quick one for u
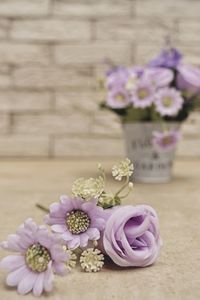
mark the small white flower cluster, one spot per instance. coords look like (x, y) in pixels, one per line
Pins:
(123, 169)
(91, 260)
(88, 188)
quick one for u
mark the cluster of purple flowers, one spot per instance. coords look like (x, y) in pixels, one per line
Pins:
(128, 234)
(164, 84)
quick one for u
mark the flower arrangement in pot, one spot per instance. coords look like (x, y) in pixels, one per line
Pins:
(152, 101)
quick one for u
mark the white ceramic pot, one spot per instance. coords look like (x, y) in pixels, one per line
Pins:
(150, 165)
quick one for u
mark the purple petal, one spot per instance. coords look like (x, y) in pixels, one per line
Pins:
(30, 225)
(137, 230)
(39, 284)
(44, 239)
(59, 228)
(77, 203)
(98, 223)
(74, 243)
(65, 200)
(53, 220)
(88, 206)
(27, 283)
(113, 254)
(12, 262)
(60, 268)
(93, 233)
(16, 276)
(26, 237)
(84, 240)
(58, 254)
(67, 236)
(13, 243)
(48, 278)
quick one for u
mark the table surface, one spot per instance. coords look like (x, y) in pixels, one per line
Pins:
(176, 275)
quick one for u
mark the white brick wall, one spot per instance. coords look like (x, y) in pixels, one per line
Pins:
(24, 101)
(21, 54)
(52, 77)
(51, 55)
(50, 30)
(15, 8)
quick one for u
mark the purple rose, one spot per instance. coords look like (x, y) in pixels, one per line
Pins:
(117, 77)
(131, 236)
(160, 77)
(188, 79)
(169, 58)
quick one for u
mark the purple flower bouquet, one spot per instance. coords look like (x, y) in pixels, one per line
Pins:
(84, 227)
(152, 101)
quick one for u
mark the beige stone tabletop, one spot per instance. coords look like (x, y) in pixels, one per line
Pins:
(176, 275)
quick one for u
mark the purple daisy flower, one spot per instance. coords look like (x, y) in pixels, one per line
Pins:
(39, 254)
(118, 98)
(143, 94)
(168, 101)
(169, 58)
(76, 220)
(166, 140)
(117, 77)
(160, 77)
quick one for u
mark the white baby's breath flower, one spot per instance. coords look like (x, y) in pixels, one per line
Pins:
(91, 260)
(122, 169)
(88, 188)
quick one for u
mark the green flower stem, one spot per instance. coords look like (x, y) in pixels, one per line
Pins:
(126, 195)
(43, 208)
(123, 187)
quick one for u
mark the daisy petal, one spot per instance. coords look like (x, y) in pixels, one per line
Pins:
(12, 262)
(39, 284)
(73, 244)
(48, 278)
(16, 276)
(26, 284)
(93, 233)
(84, 240)
(60, 268)
(59, 228)
(67, 236)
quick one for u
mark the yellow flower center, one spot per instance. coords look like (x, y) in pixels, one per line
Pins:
(142, 94)
(37, 258)
(167, 101)
(120, 97)
(77, 221)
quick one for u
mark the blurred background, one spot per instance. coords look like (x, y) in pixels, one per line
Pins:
(52, 54)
